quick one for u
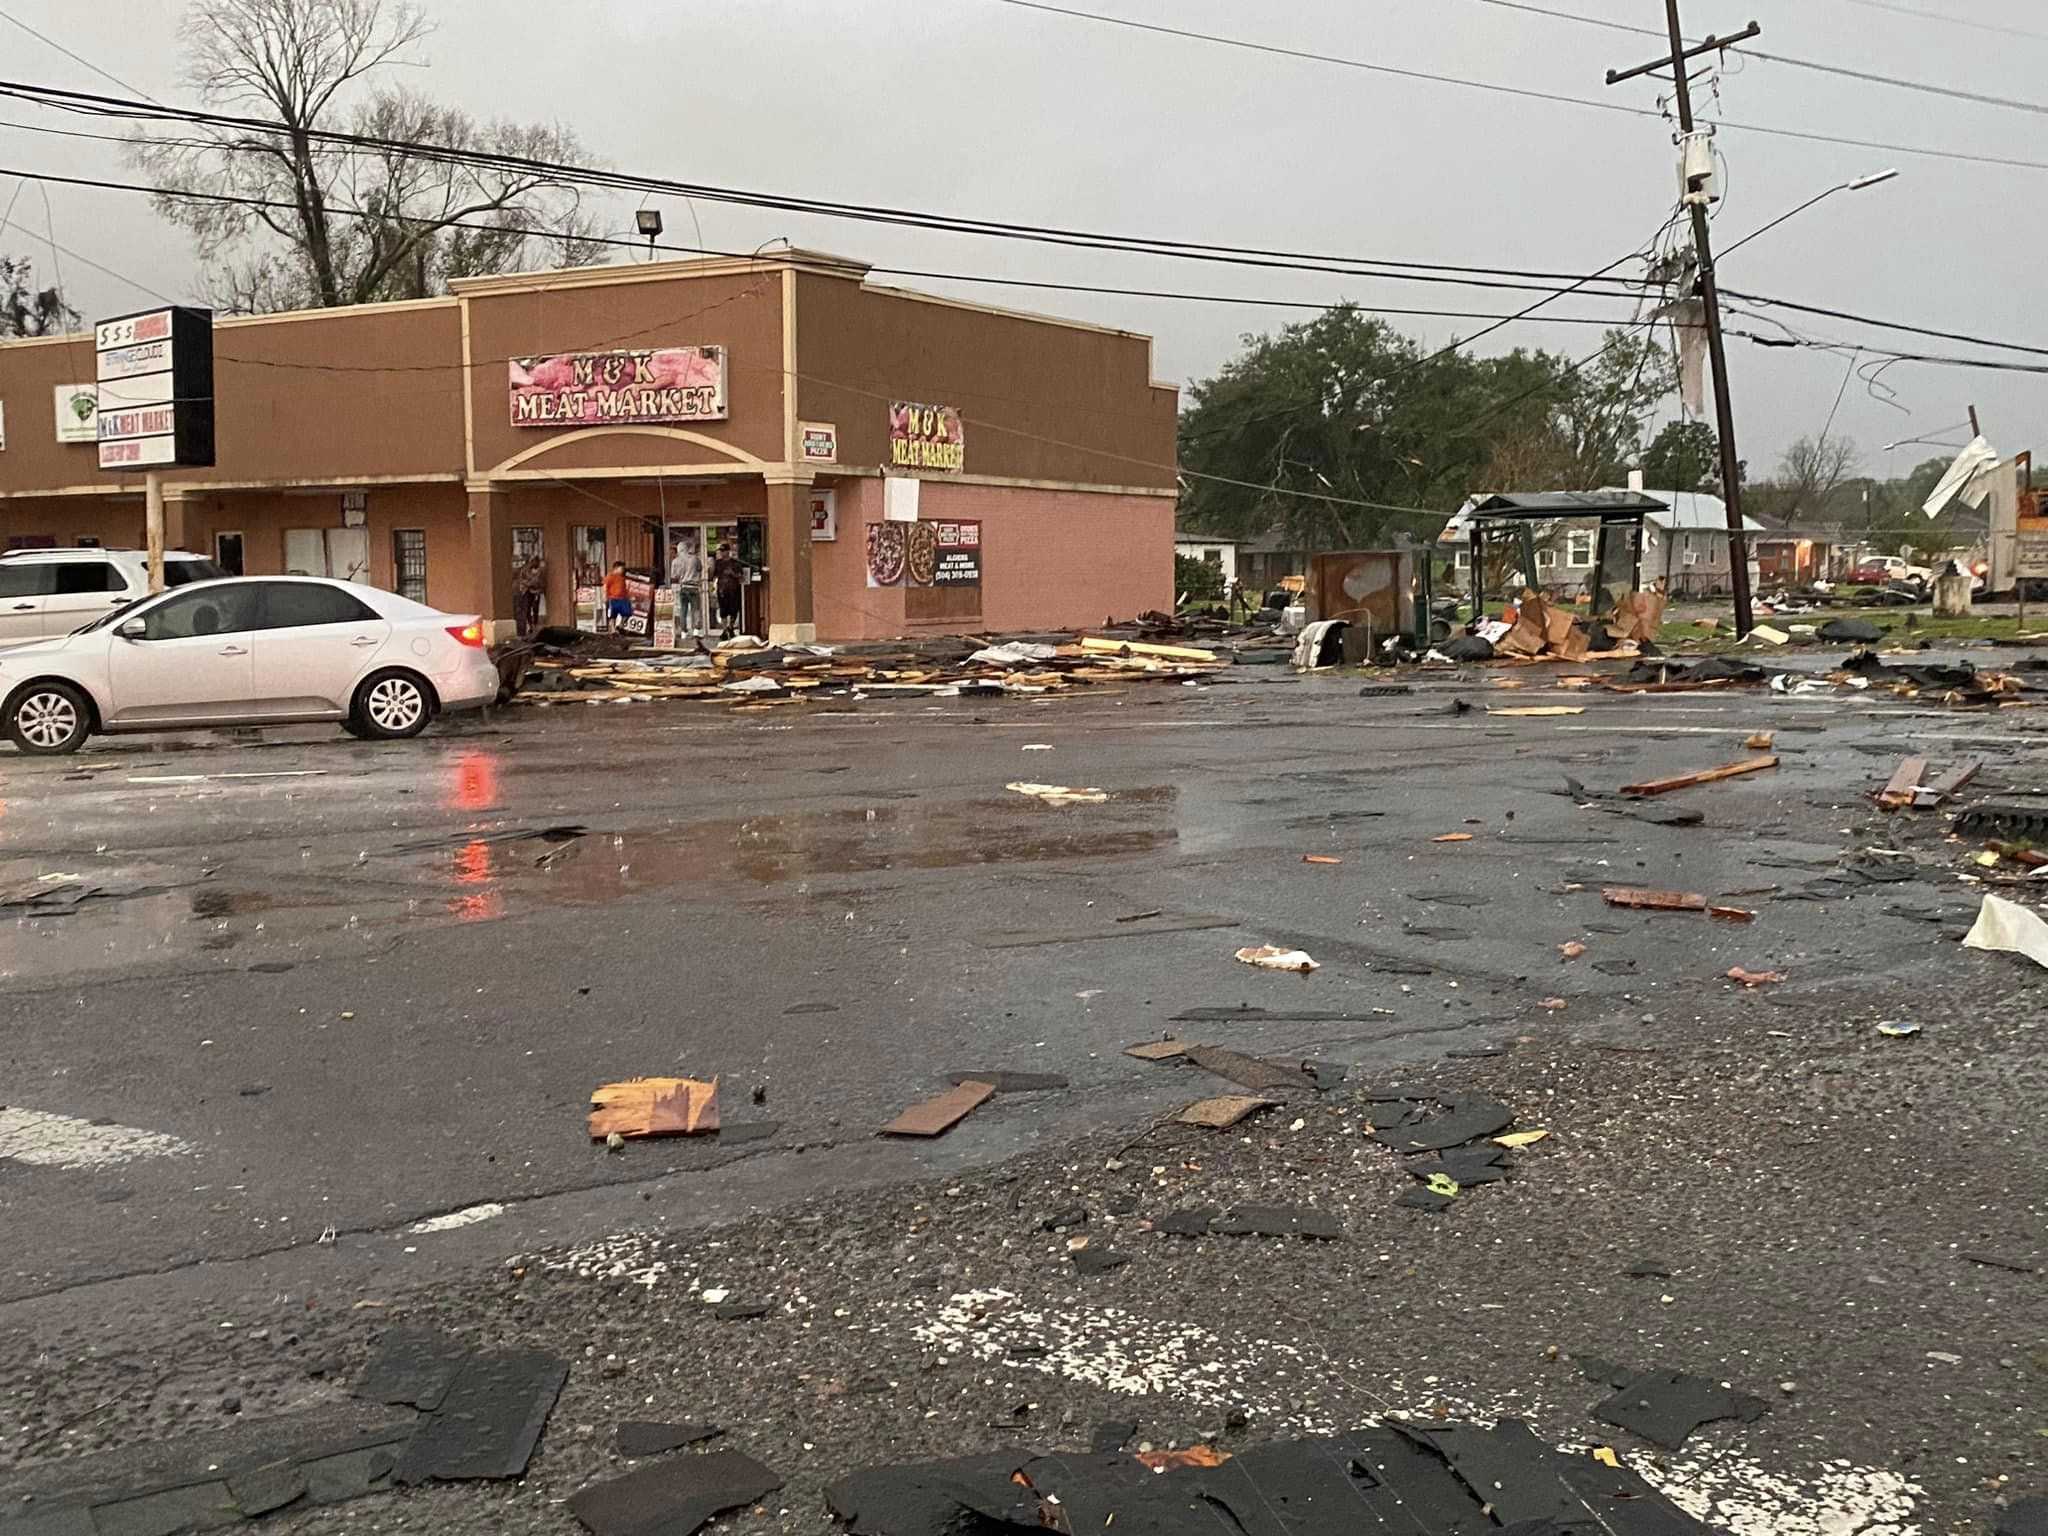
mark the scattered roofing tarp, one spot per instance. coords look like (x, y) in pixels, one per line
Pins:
(1248, 1071)
(1449, 1480)
(674, 1497)
(489, 1421)
(639, 1437)
(1665, 1407)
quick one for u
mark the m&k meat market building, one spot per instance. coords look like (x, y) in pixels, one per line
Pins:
(885, 462)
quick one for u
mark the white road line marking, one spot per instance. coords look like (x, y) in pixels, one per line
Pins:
(469, 1216)
(166, 778)
(277, 773)
(63, 1141)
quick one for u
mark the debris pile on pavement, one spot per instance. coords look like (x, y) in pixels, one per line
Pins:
(1402, 1475)
(944, 666)
(455, 1414)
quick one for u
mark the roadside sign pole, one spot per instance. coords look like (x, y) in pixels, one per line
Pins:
(153, 497)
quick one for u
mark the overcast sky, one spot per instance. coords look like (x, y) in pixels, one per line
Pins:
(980, 108)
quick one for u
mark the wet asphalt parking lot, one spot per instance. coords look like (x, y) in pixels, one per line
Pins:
(324, 988)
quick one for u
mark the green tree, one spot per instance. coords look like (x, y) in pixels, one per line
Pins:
(1684, 456)
(1197, 580)
(25, 309)
(1344, 409)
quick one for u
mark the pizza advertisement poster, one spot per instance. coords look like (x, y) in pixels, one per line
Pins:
(924, 554)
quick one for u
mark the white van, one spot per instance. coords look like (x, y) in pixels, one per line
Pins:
(50, 592)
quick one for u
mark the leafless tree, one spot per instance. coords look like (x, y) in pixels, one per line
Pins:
(319, 223)
(25, 309)
(1810, 473)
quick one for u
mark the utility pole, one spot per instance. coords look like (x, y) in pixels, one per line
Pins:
(1709, 293)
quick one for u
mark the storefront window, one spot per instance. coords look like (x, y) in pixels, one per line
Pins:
(587, 550)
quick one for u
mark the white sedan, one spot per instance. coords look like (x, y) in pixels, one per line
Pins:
(255, 650)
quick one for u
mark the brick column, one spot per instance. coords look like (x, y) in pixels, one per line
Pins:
(790, 620)
(490, 559)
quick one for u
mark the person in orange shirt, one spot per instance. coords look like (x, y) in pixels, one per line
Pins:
(617, 606)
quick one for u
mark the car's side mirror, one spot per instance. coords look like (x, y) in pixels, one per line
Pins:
(132, 629)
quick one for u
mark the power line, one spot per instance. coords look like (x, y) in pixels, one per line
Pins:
(1869, 76)
(1250, 256)
(625, 243)
(76, 58)
(1808, 136)
(1887, 325)
(1949, 21)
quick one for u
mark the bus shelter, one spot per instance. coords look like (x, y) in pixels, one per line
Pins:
(1519, 520)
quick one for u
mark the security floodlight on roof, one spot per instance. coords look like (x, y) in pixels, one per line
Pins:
(649, 222)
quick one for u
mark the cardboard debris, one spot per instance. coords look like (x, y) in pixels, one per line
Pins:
(2006, 925)
(1638, 616)
(1703, 776)
(1754, 978)
(1191, 1456)
(1761, 741)
(1059, 794)
(1268, 957)
(940, 1114)
(1653, 901)
(1157, 1050)
(654, 1106)
(1223, 1111)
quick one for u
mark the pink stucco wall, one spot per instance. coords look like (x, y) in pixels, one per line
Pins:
(1049, 559)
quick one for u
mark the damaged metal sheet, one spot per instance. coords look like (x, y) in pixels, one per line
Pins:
(489, 1421)
(675, 1497)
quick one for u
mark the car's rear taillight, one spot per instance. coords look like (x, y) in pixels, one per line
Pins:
(467, 634)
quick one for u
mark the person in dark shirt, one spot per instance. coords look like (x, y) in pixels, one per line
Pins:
(729, 577)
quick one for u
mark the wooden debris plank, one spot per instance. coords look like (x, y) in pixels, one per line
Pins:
(1704, 776)
(1905, 782)
(1952, 781)
(654, 1106)
(936, 1115)
(1097, 646)
(1653, 901)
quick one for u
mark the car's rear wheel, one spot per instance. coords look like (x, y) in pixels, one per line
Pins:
(49, 718)
(392, 705)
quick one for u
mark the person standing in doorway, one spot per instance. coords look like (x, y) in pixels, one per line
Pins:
(729, 577)
(527, 586)
(686, 575)
(617, 606)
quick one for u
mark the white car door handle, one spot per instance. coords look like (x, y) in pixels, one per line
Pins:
(364, 640)
(23, 607)
(233, 650)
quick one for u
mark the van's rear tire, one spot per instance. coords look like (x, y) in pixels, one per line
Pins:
(49, 719)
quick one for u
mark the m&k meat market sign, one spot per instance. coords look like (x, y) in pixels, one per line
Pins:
(599, 389)
(928, 437)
